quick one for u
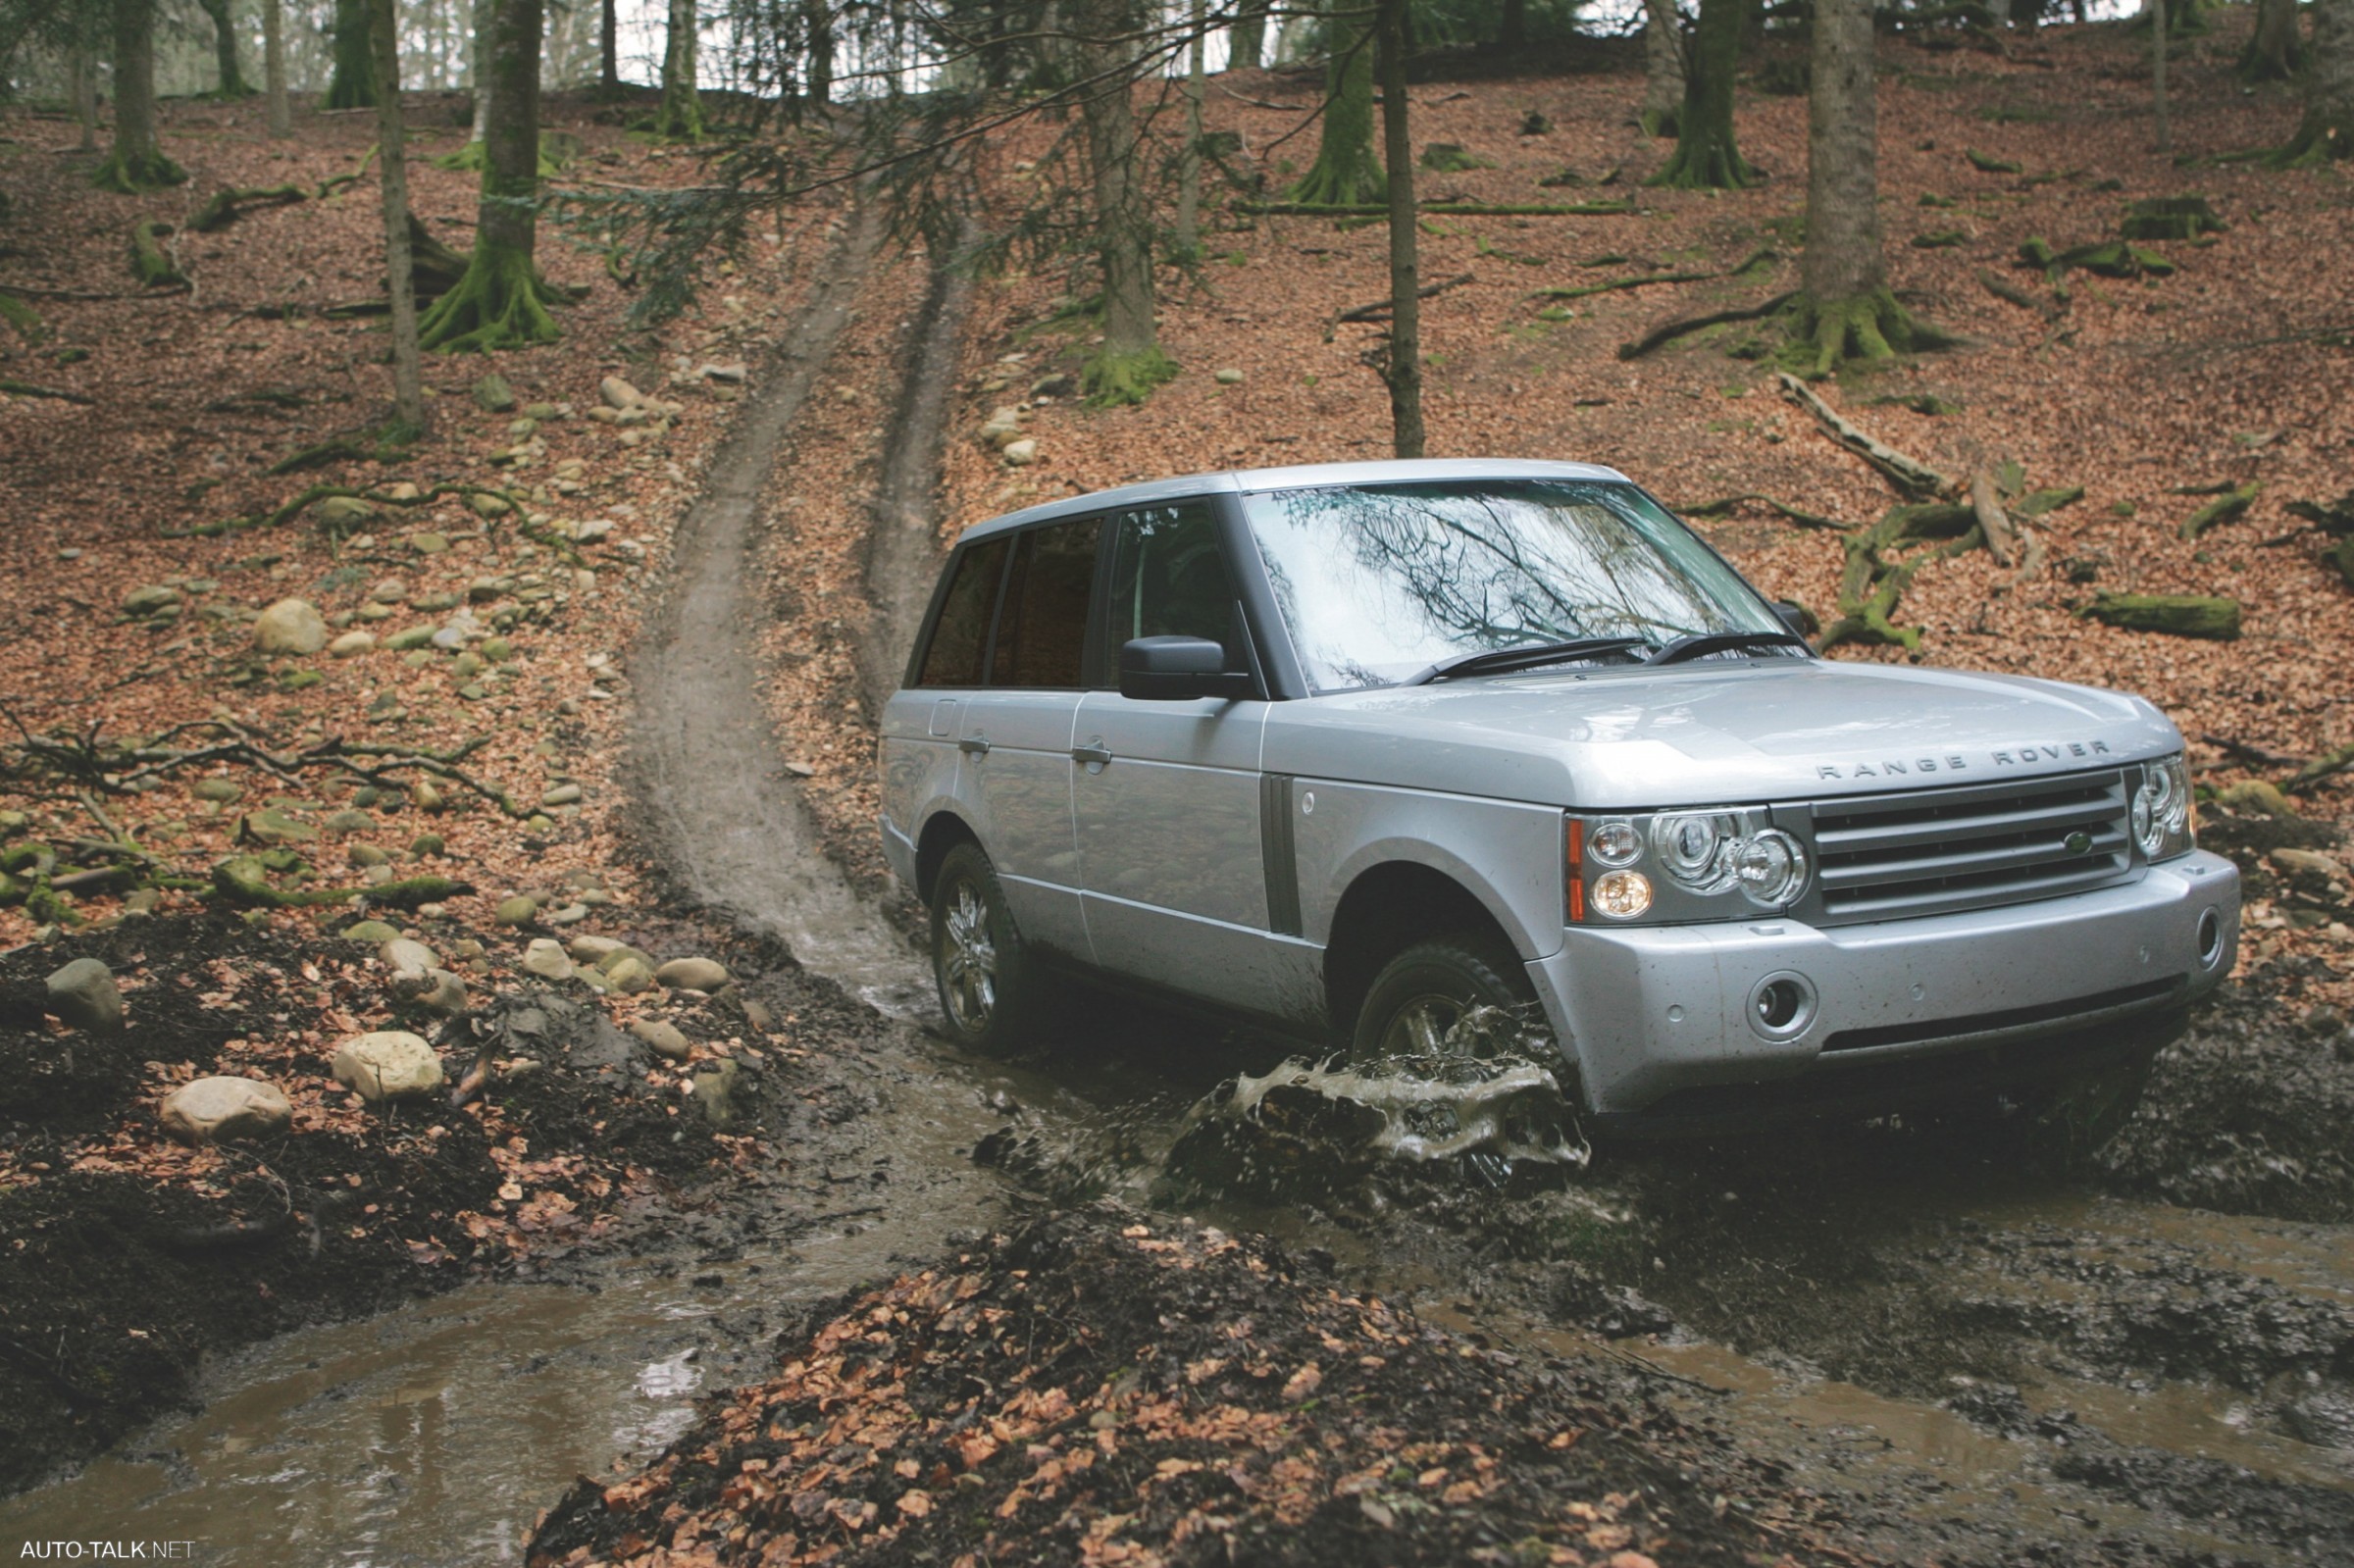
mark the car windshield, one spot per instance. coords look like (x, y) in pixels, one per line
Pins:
(1381, 583)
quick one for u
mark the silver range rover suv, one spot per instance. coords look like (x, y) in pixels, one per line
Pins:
(1355, 750)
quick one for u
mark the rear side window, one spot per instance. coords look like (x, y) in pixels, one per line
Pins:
(961, 636)
(1042, 632)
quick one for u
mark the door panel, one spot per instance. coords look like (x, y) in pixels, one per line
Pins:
(1017, 774)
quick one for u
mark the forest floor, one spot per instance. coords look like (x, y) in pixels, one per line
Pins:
(2110, 1359)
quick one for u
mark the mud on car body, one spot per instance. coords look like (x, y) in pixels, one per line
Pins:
(1358, 749)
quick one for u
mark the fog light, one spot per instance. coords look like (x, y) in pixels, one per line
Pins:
(1621, 894)
(2211, 939)
(1782, 1006)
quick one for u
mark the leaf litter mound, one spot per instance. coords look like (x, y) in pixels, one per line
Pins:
(1097, 1390)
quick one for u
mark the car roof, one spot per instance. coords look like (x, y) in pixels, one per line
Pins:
(1300, 476)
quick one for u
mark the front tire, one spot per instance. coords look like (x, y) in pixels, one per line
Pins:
(979, 963)
(1418, 998)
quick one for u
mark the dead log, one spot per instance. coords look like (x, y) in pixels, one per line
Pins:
(1383, 307)
(2001, 542)
(16, 389)
(2222, 509)
(1907, 474)
(150, 262)
(1725, 505)
(225, 207)
(2178, 615)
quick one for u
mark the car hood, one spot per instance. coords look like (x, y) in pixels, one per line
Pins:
(1712, 733)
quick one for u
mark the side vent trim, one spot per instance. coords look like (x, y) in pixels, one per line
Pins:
(1277, 852)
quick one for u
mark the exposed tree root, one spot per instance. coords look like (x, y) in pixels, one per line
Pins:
(1669, 332)
(1383, 307)
(1873, 580)
(1908, 474)
(501, 302)
(150, 262)
(1115, 380)
(136, 175)
(2222, 509)
(1870, 329)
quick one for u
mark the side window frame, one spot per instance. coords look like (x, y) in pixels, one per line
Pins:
(914, 679)
(1098, 579)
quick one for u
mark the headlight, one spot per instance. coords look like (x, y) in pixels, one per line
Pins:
(2162, 810)
(1690, 862)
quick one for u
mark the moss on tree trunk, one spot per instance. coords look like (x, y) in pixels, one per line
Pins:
(1345, 171)
(2326, 131)
(1131, 362)
(502, 301)
(682, 113)
(1706, 157)
(353, 84)
(135, 162)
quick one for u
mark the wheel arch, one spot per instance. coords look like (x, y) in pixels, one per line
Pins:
(1387, 908)
(941, 832)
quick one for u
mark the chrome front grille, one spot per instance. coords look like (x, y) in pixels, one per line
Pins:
(1934, 851)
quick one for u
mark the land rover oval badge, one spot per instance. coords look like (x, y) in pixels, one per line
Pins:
(2080, 842)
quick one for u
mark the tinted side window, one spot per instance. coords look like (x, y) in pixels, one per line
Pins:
(1043, 629)
(1169, 578)
(959, 636)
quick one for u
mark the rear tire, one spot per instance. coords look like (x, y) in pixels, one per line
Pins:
(986, 979)
(1422, 994)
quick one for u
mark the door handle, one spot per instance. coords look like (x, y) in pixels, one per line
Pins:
(1095, 754)
(973, 746)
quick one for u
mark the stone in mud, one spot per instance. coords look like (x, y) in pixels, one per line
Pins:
(436, 991)
(403, 956)
(715, 1091)
(589, 949)
(692, 973)
(370, 931)
(388, 1065)
(618, 394)
(565, 795)
(484, 504)
(663, 1038)
(629, 975)
(1228, 377)
(493, 394)
(409, 638)
(363, 856)
(546, 958)
(84, 995)
(271, 825)
(153, 599)
(350, 821)
(351, 644)
(428, 542)
(516, 911)
(1021, 453)
(345, 514)
(293, 626)
(216, 1110)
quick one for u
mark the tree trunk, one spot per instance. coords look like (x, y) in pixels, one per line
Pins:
(2327, 129)
(408, 381)
(820, 25)
(1404, 367)
(1247, 42)
(681, 112)
(500, 302)
(1704, 154)
(2271, 54)
(1188, 157)
(1662, 68)
(279, 113)
(2166, 136)
(1512, 29)
(1846, 311)
(1130, 363)
(1346, 174)
(135, 162)
(480, 72)
(230, 79)
(609, 46)
(83, 67)
(353, 84)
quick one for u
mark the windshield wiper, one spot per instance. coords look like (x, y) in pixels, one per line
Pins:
(1494, 661)
(1707, 642)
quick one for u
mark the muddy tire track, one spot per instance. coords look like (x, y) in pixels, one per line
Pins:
(720, 807)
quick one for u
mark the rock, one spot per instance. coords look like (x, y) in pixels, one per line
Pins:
(271, 825)
(388, 1065)
(566, 795)
(692, 973)
(352, 644)
(484, 504)
(715, 1091)
(409, 638)
(84, 995)
(546, 958)
(345, 514)
(516, 911)
(349, 821)
(663, 1038)
(569, 915)
(722, 373)
(436, 991)
(591, 949)
(593, 530)
(221, 792)
(618, 394)
(2309, 863)
(363, 856)
(374, 932)
(425, 846)
(2255, 798)
(428, 543)
(1021, 453)
(404, 956)
(1062, 384)
(151, 600)
(291, 626)
(214, 1110)
(1228, 377)
(629, 975)
(493, 394)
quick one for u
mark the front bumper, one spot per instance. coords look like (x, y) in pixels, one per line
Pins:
(1648, 1011)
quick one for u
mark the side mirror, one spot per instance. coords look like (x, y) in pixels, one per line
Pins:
(1179, 670)
(1797, 618)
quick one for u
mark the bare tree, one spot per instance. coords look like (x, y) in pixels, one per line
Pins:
(2326, 131)
(681, 112)
(354, 83)
(2158, 31)
(1188, 157)
(1662, 67)
(229, 75)
(1248, 40)
(136, 162)
(1346, 173)
(1704, 154)
(500, 302)
(1131, 362)
(277, 111)
(2271, 54)
(609, 46)
(82, 66)
(1403, 367)
(408, 380)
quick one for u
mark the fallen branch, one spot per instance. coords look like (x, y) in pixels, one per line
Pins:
(226, 207)
(1447, 209)
(1913, 477)
(2010, 293)
(17, 389)
(2178, 615)
(2258, 755)
(2222, 509)
(2326, 764)
(1724, 505)
(2002, 540)
(150, 262)
(1644, 279)
(1669, 332)
(1872, 585)
(1383, 307)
